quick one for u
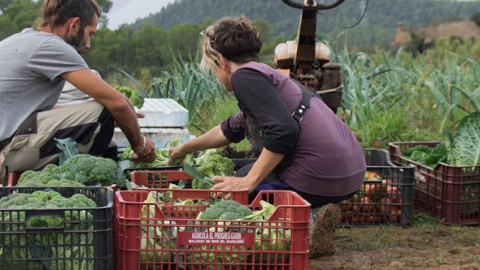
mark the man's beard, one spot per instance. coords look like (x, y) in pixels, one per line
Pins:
(77, 41)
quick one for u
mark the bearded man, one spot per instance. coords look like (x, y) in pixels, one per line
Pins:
(34, 66)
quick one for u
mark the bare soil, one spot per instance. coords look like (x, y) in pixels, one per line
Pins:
(422, 246)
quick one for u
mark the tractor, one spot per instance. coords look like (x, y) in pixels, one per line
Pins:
(308, 61)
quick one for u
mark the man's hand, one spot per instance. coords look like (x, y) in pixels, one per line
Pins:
(144, 151)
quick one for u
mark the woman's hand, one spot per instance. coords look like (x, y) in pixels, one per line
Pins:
(175, 153)
(232, 183)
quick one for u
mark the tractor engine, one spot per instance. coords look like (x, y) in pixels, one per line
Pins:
(308, 61)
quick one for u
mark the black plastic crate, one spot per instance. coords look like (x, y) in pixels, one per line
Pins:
(377, 157)
(384, 200)
(84, 240)
(239, 163)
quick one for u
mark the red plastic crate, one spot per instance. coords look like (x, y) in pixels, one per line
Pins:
(159, 179)
(446, 192)
(386, 201)
(13, 178)
(169, 237)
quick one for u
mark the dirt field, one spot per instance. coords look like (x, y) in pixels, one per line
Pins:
(426, 245)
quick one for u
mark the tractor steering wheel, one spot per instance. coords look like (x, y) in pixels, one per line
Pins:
(330, 5)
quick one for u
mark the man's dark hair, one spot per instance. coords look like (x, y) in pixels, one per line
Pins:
(57, 12)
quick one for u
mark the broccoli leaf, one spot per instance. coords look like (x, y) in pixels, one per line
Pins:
(199, 181)
(68, 147)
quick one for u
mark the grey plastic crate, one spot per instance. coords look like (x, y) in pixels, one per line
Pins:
(377, 157)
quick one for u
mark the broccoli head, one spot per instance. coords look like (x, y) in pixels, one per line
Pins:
(82, 201)
(225, 167)
(211, 163)
(51, 168)
(89, 170)
(45, 195)
(207, 169)
(36, 178)
(63, 183)
(225, 209)
(11, 200)
(202, 157)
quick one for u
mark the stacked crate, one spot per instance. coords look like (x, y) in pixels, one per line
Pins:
(164, 121)
(448, 193)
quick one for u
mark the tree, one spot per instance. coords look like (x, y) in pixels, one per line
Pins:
(476, 18)
(19, 14)
(105, 5)
(3, 5)
(150, 49)
(264, 28)
(183, 40)
(7, 27)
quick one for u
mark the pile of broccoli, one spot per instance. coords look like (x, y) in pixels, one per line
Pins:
(206, 165)
(56, 250)
(48, 177)
(136, 97)
(79, 170)
(225, 210)
(47, 200)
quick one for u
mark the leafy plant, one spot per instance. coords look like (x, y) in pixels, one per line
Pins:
(190, 87)
(465, 144)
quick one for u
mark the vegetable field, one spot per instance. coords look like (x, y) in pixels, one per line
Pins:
(389, 96)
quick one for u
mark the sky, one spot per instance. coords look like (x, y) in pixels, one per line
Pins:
(128, 11)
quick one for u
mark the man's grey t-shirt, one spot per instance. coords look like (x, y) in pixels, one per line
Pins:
(31, 63)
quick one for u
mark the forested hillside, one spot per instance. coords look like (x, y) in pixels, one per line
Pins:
(148, 47)
(378, 26)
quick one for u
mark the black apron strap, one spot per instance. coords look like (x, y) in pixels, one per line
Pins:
(304, 103)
